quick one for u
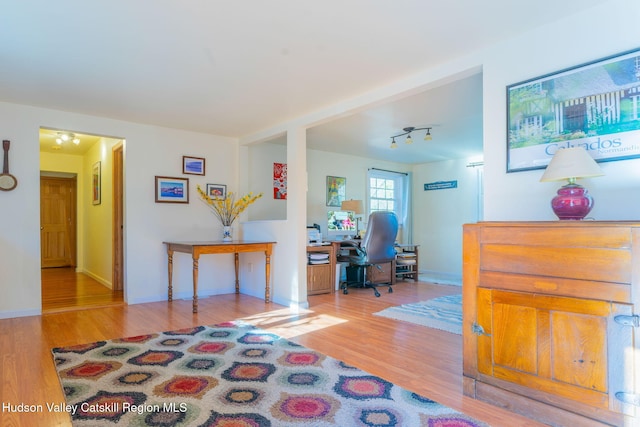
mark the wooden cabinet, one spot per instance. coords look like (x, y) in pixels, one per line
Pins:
(321, 278)
(550, 319)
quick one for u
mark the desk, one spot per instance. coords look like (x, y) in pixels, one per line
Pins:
(218, 247)
(373, 274)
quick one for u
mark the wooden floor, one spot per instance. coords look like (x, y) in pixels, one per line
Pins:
(424, 360)
(63, 289)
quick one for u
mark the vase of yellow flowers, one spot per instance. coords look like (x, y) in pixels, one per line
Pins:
(227, 208)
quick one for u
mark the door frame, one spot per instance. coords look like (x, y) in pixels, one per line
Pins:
(117, 229)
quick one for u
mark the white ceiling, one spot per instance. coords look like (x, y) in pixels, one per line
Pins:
(235, 68)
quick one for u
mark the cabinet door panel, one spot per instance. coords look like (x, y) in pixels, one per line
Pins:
(514, 337)
(581, 360)
(557, 345)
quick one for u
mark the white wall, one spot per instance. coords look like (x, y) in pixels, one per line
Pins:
(321, 164)
(260, 168)
(439, 215)
(149, 151)
(599, 32)
(152, 151)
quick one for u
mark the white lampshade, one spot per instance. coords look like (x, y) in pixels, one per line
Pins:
(354, 206)
(569, 164)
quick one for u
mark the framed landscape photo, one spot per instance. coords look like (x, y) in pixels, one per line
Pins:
(192, 165)
(96, 181)
(217, 190)
(172, 190)
(336, 190)
(594, 105)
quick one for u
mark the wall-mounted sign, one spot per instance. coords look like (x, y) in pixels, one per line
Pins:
(440, 185)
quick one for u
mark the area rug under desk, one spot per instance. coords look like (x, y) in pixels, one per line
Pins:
(231, 374)
(443, 313)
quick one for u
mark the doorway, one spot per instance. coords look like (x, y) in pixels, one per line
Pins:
(81, 221)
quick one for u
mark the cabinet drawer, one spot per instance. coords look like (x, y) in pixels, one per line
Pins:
(617, 292)
(585, 263)
(571, 234)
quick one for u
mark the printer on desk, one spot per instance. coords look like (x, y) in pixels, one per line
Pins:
(314, 236)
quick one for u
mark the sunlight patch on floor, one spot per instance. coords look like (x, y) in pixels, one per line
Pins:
(289, 323)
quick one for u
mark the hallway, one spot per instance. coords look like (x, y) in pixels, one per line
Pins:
(64, 290)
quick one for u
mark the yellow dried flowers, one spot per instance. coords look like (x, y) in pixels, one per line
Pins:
(228, 208)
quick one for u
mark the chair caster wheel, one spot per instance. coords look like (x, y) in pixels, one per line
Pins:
(344, 291)
(377, 293)
(390, 290)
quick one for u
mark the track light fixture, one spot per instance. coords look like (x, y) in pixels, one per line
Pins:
(409, 140)
(63, 137)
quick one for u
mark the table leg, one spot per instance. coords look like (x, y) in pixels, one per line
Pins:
(170, 266)
(267, 269)
(195, 282)
(237, 262)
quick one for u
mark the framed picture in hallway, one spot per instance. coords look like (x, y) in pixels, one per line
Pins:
(172, 190)
(594, 105)
(96, 178)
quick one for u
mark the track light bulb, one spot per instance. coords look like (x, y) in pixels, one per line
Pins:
(407, 131)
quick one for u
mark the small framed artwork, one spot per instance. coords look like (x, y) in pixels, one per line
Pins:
(96, 178)
(172, 190)
(336, 190)
(192, 165)
(593, 105)
(217, 190)
(280, 181)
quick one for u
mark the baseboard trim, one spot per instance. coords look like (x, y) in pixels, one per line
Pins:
(99, 279)
(20, 313)
(439, 277)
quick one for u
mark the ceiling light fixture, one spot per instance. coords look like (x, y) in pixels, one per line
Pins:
(66, 137)
(409, 140)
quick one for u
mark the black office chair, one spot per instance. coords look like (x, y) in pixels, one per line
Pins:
(375, 249)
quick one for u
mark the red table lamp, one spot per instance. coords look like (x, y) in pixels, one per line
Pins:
(573, 202)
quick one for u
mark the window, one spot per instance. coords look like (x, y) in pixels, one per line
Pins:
(387, 192)
(382, 194)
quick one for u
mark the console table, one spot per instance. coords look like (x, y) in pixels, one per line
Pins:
(218, 247)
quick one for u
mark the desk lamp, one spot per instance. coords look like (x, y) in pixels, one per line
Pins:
(354, 206)
(573, 202)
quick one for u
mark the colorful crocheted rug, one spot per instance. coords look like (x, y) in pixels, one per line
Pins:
(231, 374)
